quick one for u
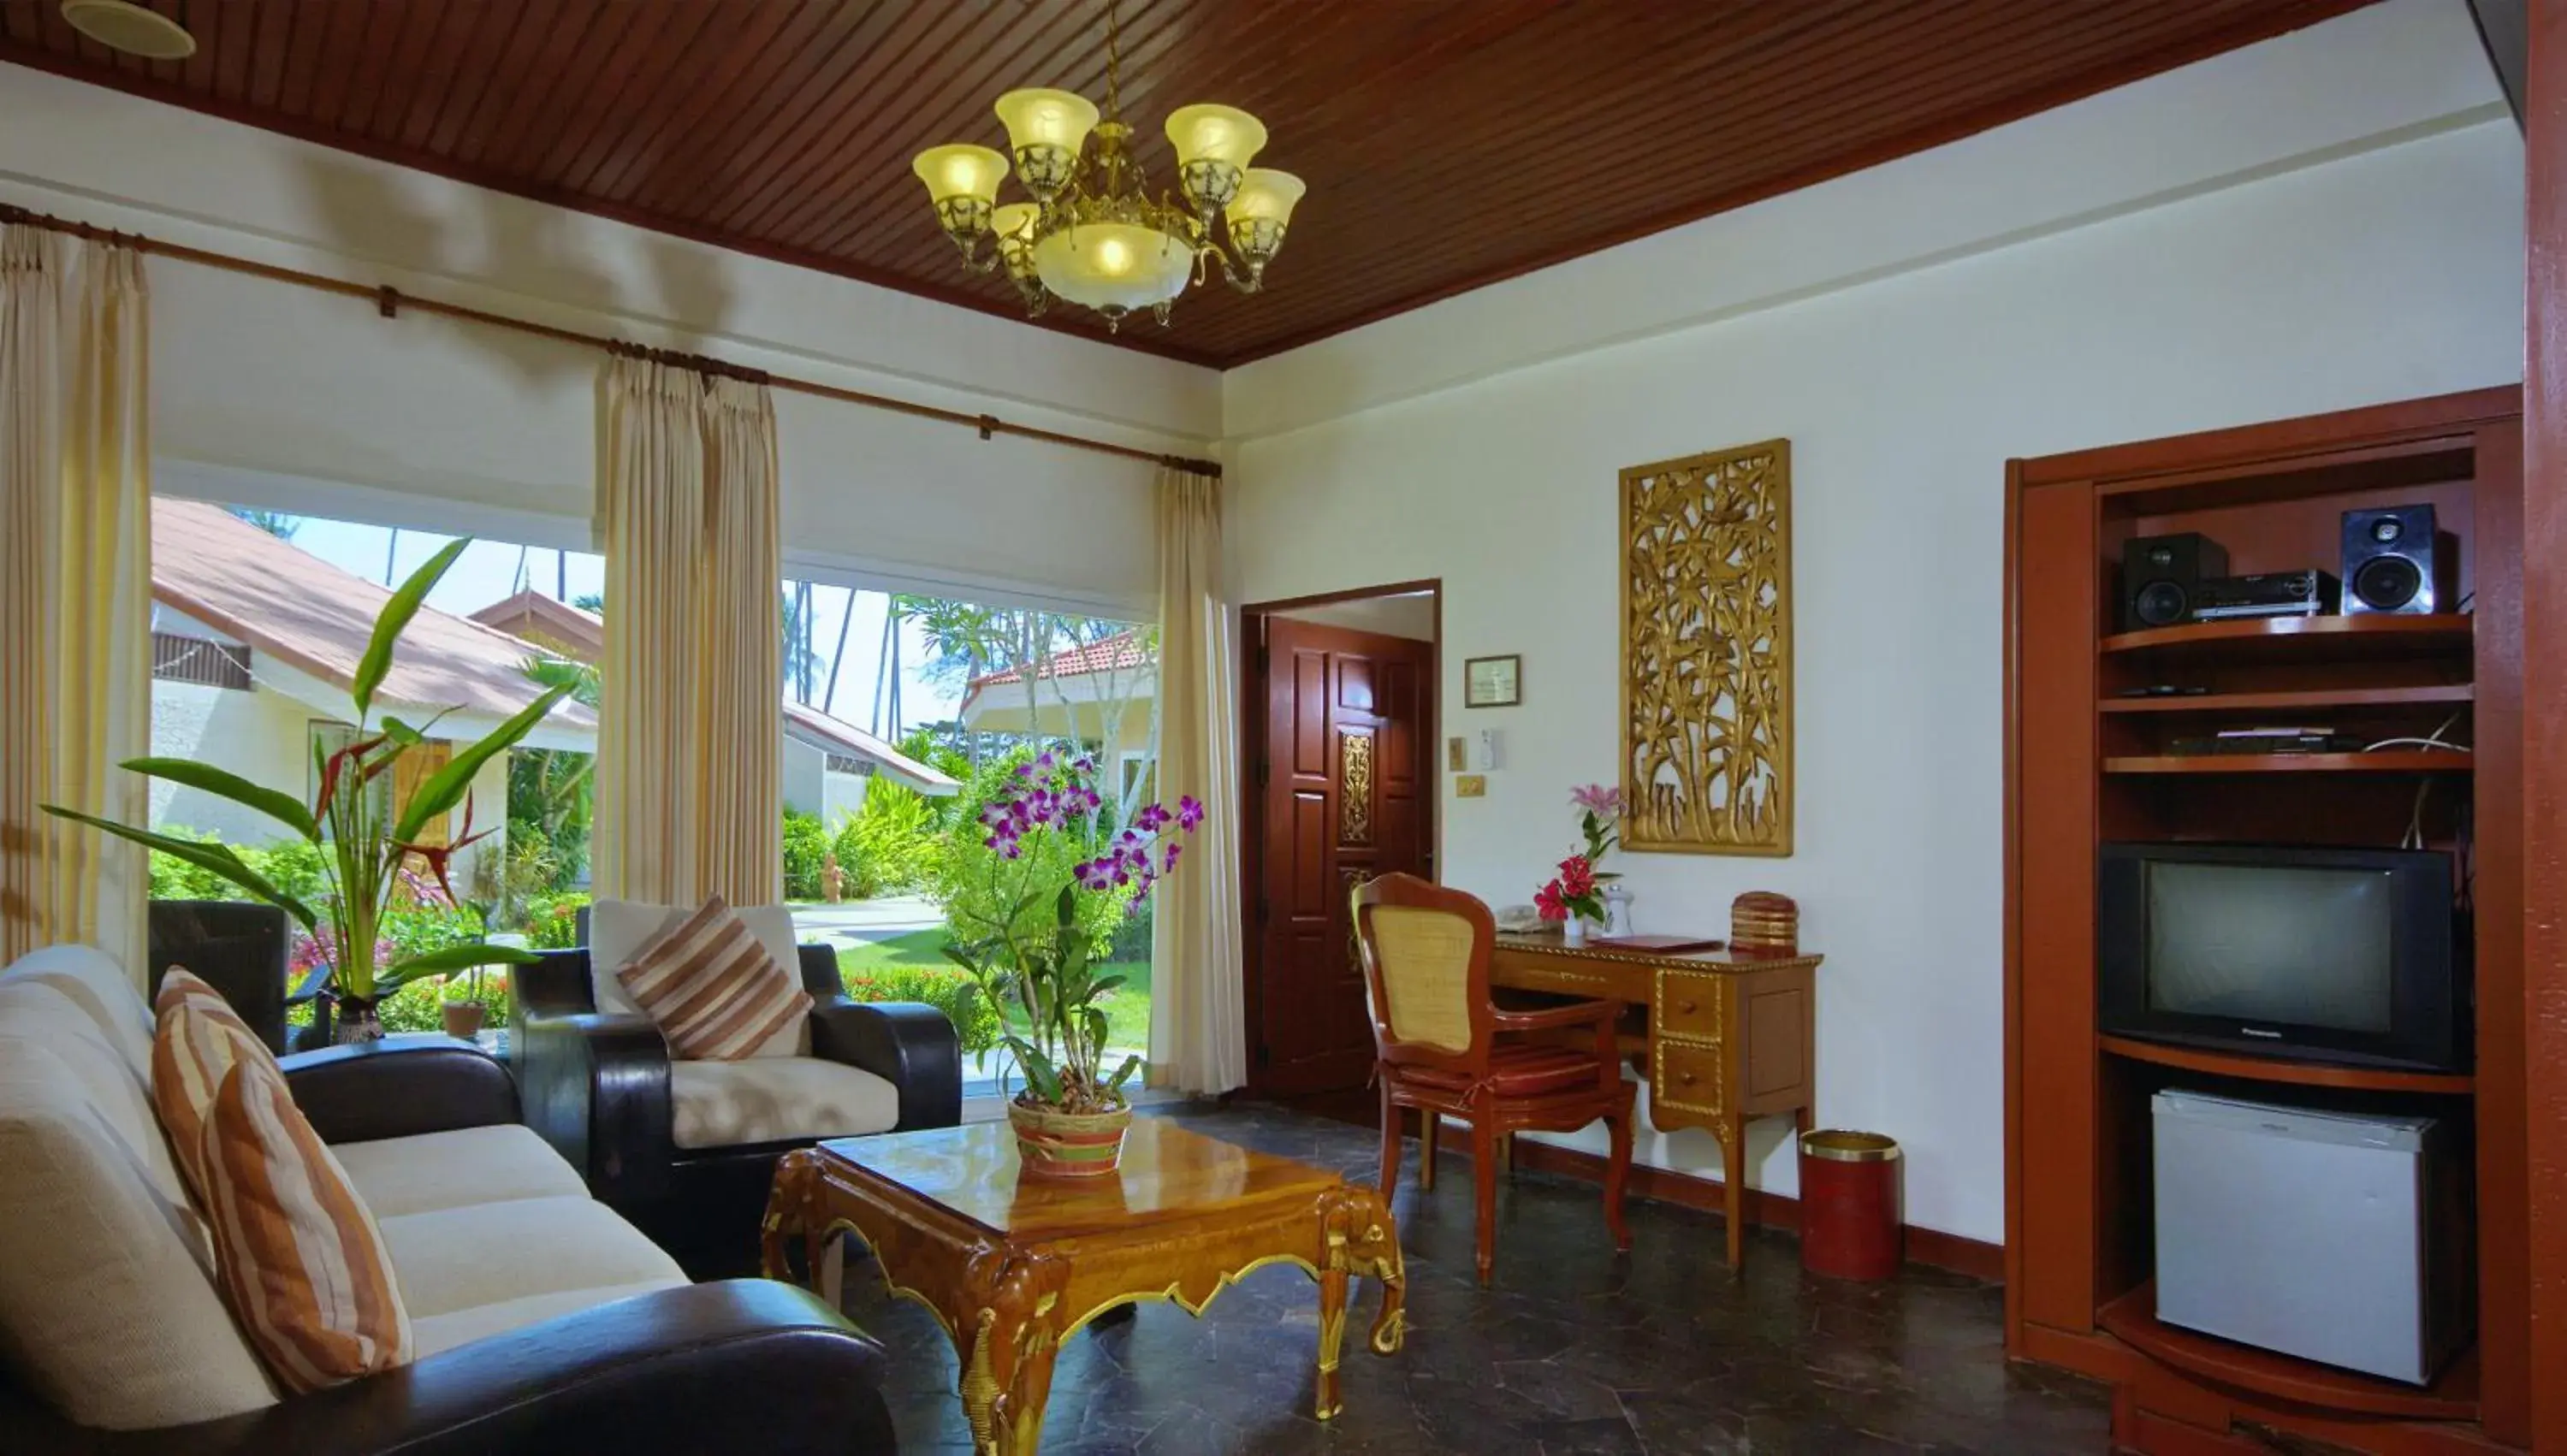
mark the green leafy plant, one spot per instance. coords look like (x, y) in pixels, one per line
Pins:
(974, 1016)
(363, 842)
(1052, 857)
(892, 842)
(806, 852)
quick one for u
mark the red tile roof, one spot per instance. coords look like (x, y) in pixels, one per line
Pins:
(310, 615)
(1129, 648)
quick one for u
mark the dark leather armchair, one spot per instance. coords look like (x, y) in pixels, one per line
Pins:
(701, 1368)
(598, 1089)
(244, 950)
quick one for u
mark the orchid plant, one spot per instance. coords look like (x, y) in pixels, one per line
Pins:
(1579, 888)
(1042, 966)
(367, 842)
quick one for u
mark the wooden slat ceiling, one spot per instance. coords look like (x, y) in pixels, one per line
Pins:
(1447, 143)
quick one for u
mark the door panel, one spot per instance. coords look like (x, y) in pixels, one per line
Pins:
(1344, 782)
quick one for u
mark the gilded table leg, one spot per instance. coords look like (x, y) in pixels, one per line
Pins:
(789, 1210)
(1332, 1337)
(1007, 1346)
(1359, 1239)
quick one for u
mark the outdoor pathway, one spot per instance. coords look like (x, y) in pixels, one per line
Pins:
(862, 922)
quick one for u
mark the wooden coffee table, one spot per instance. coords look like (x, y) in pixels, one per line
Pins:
(1014, 1266)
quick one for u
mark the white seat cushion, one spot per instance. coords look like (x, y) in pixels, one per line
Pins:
(445, 1332)
(433, 1171)
(721, 1105)
(457, 1259)
(618, 930)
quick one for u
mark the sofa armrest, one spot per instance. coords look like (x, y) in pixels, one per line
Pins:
(554, 984)
(597, 1089)
(706, 1368)
(910, 1046)
(400, 1086)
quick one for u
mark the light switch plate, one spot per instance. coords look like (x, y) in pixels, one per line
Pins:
(1456, 754)
(1470, 785)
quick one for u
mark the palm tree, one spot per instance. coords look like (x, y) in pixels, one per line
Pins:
(800, 660)
(275, 522)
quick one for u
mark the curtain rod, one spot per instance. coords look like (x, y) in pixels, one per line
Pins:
(390, 301)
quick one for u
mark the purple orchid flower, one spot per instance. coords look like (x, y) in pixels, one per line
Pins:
(1190, 812)
(1152, 819)
(1169, 863)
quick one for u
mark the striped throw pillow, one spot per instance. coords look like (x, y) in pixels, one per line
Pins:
(197, 1040)
(302, 1262)
(715, 991)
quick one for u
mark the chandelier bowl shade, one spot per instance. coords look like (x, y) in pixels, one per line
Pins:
(1113, 267)
(1046, 129)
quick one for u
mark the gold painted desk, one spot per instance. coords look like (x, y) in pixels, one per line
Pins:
(1012, 1266)
(1727, 1037)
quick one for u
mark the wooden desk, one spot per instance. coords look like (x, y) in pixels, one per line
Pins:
(1729, 1037)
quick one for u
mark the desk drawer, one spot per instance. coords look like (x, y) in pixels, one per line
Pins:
(1689, 1078)
(1688, 1005)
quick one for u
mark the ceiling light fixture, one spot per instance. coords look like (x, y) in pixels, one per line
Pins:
(136, 30)
(1093, 233)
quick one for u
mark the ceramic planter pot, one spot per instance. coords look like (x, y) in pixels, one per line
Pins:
(356, 1021)
(1055, 1144)
(463, 1019)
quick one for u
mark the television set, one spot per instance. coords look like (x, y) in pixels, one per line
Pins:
(2324, 954)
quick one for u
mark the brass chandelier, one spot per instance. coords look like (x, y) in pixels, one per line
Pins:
(1093, 233)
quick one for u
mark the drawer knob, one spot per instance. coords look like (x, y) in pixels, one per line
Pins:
(1685, 1077)
(1688, 1008)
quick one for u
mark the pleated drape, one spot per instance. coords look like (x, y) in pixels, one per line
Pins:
(691, 684)
(1198, 1018)
(75, 588)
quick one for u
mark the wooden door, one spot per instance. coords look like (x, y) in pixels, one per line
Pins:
(1343, 775)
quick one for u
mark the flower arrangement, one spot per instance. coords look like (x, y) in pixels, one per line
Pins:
(365, 841)
(1041, 966)
(1578, 889)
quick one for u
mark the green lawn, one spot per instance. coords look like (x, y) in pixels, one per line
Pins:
(1127, 1007)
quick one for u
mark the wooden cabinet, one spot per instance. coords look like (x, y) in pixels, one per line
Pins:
(1722, 1039)
(2089, 763)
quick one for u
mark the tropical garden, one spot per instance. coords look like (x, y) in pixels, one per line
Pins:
(897, 842)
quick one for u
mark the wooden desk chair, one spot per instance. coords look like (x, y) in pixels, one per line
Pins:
(1448, 1051)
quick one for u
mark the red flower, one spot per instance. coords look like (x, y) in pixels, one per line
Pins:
(1576, 877)
(1549, 902)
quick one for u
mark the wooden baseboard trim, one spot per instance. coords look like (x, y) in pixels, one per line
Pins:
(1930, 1246)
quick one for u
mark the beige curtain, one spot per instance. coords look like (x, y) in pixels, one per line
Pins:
(690, 718)
(1198, 1019)
(75, 588)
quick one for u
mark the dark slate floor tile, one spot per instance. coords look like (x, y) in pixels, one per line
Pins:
(1575, 1352)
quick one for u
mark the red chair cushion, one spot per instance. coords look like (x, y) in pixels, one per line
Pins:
(1516, 1071)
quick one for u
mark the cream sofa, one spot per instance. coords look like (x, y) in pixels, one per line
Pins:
(541, 1317)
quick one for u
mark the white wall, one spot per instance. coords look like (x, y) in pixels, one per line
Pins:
(256, 733)
(1410, 615)
(283, 395)
(2373, 268)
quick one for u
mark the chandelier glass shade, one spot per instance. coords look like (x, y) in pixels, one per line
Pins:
(1094, 234)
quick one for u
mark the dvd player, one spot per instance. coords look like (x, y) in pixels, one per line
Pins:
(2308, 593)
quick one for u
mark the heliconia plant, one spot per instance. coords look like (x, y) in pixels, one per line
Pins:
(365, 840)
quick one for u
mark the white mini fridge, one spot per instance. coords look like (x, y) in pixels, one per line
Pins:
(2320, 1235)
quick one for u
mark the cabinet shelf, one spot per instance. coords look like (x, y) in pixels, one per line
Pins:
(2300, 639)
(2297, 700)
(2296, 1074)
(2419, 761)
(2132, 1318)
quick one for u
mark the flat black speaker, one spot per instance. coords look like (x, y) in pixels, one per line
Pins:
(2392, 561)
(2158, 574)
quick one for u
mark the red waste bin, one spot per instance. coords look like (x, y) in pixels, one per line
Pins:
(1850, 1225)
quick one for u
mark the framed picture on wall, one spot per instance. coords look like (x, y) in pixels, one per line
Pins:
(1493, 682)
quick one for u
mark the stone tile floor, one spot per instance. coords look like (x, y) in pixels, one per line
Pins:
(1573, 1350)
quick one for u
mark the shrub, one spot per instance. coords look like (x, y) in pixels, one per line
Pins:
(893, 842)
(1132, 936)
(806, 847)
(415, 1007)
(291, 865)
(976, 1022)
(553, 920)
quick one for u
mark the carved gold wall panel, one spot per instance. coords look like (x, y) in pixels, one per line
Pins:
(1707, 653)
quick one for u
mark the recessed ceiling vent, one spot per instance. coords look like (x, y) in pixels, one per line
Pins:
(136, 30)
